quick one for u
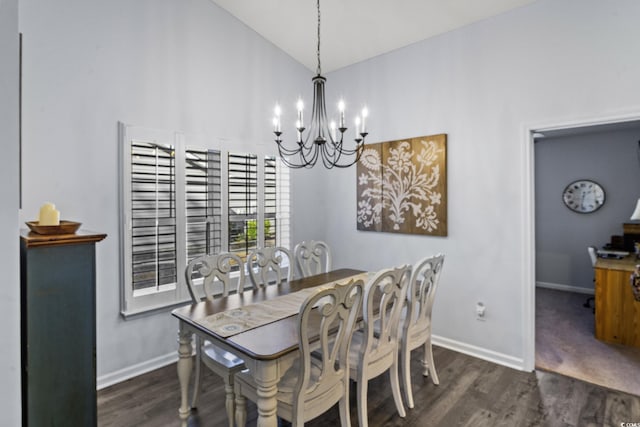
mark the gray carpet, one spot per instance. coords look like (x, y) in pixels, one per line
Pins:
(565, 343)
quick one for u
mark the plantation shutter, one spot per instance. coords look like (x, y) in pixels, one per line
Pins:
(243, 203)
(282, 206)
(203, 202)
(270, 202)
(153, 216)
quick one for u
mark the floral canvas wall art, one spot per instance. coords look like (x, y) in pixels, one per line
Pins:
(402, 186)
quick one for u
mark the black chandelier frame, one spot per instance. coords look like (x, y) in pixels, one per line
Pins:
(321, 140)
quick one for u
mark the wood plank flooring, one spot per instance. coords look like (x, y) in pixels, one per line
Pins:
(472, 393)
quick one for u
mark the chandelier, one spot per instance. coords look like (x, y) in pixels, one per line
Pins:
(324, 139)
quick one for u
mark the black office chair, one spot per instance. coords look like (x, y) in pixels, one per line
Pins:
(593, 255)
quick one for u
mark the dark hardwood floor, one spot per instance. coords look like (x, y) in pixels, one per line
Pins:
(472, 393)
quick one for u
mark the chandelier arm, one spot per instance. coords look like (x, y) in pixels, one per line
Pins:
(287, 151)
(289, 163)
(313, 151)
(328, 159)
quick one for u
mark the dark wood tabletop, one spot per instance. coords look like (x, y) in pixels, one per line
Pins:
(265, 342)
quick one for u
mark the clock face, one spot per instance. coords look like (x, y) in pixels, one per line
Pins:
(583, 196)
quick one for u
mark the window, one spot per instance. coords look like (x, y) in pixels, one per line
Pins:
(181, 200)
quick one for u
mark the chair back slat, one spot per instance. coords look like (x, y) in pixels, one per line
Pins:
(312, 257)
(214, 269)
(421, 296)
(326, 321)
(385, 294)
(268, 265)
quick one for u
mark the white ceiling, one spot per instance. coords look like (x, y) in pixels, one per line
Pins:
(356, 30)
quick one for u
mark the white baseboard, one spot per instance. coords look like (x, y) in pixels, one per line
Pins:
(112, 378)
(479, 352)
(567, 288)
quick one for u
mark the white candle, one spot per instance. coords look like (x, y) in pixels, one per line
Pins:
(49, 215)
(332, 127)
(300, 107)
(365, 113)
(341, 109)
(276, 120)
(357, 126)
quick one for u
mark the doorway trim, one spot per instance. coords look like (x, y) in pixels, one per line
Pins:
(529, 220)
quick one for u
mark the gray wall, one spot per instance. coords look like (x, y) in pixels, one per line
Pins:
(180, 65)
(10, 408)
(484, 85)
(562, 236)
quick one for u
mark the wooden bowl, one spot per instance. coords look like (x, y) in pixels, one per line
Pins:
(65, 227)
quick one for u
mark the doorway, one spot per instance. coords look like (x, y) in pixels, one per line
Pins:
(604, 152)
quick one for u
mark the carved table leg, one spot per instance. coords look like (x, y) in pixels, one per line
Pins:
(266, 378)
(185, 363)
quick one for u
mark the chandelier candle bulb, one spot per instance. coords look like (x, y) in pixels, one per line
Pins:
(365, 113)
(341, 109)
(276, 119)
(300, 107)
(357, 122)
(49, 215)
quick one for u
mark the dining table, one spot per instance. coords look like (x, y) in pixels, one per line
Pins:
(260, 326)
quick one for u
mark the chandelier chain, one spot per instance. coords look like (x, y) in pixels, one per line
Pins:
(318, 69)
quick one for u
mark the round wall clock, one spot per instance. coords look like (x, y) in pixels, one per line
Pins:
(583, 196)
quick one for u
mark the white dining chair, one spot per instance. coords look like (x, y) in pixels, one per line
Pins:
(312, 257)
(374, 347)
(208, 276)
(416, 325)
(312, 385)
(269, 265)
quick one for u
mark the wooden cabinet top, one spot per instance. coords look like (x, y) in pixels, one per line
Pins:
(31, 239)
(627, 263)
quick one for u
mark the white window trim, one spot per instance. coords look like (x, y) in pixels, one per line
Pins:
(171, 295)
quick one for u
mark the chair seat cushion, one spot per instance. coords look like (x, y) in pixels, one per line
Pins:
(287, 384)
(221, 357)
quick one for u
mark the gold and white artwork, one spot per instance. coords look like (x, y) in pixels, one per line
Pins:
(402, 186)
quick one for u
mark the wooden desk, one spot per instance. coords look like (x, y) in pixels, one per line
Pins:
(267, 350)
(617, 317)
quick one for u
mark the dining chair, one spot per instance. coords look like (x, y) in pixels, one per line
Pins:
(312, 257)
(268, 263)
(416, 325)
(374, 347)
(313, 385)
(208, 276)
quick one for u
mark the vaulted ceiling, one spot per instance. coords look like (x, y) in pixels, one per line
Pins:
(355, 30)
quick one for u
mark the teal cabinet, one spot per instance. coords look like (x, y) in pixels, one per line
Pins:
(58, 329)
